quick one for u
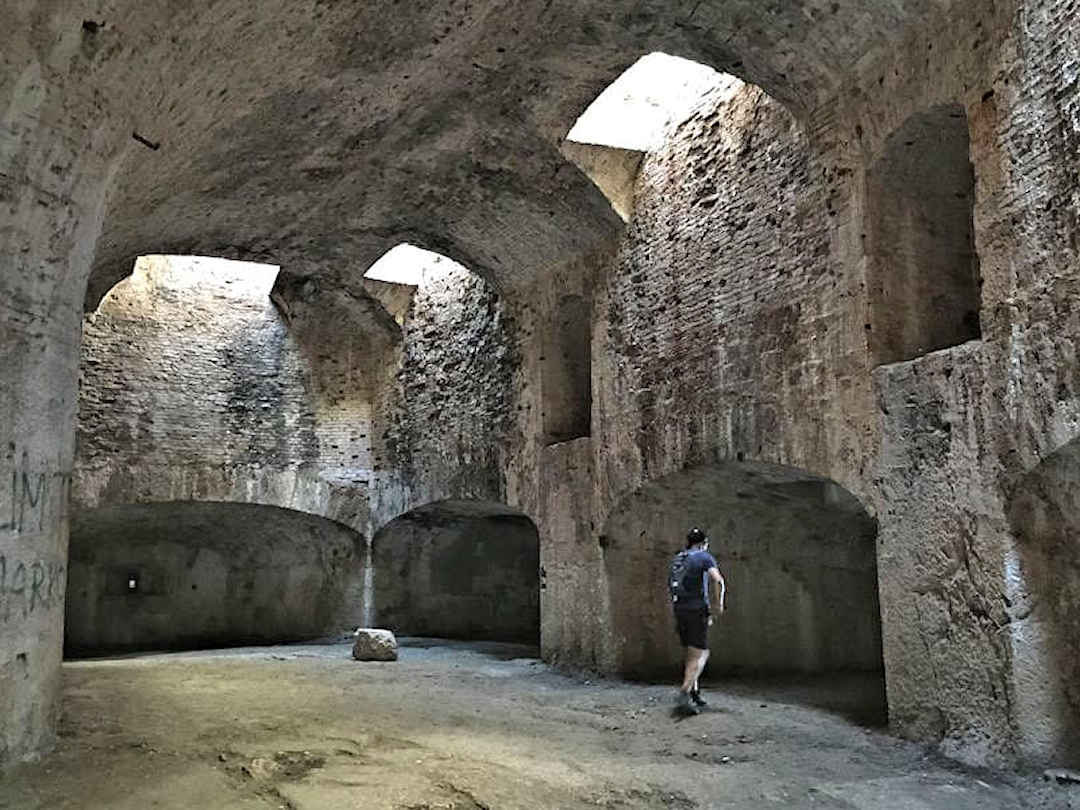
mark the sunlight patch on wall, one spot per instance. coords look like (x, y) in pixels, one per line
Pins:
(410, 265)
(234, 280)
(639, 109)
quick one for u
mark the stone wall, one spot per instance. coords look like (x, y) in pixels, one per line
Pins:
(459, 569)
(733, 323)
(722, 327)
(960, 427)
(449, 420)
(195, 387)
(57, 150)
(737, 321)
(1044, 580)
(798, 556)
(189, 575)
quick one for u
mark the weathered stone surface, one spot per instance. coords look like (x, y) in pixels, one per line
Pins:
(732, 320)
(189, 575)
(459, 569)
(196, 387)
(798, 555)
(374, 645)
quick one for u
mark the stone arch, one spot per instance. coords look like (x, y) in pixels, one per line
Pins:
(459, 569)
(797, 550)
(190, 574)
(1043, 576)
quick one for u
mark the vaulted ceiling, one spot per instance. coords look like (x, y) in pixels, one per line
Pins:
(317, 135)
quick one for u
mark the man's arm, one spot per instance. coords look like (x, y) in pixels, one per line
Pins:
(719, 590)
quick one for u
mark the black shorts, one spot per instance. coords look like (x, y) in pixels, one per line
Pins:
(693, 627)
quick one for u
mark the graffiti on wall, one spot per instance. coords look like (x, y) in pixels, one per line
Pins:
(28, 586)
(32, 499)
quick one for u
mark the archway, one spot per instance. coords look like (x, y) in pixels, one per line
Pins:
(798, 553)
(1044, 515)
(185, 575)
(459, 569)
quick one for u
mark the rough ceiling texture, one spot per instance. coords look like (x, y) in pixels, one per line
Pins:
(317, 135)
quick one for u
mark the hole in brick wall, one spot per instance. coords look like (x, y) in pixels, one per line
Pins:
(164, 275)
(408, 265)
(923, 270)
(638, 110)
(403, 264)
(635, 115)
(397, 274)
(567, 370)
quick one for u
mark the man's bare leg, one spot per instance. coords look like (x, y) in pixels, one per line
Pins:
(695, 664)
(701, 668)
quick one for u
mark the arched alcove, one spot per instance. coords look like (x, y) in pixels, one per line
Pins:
(923, 269)
(567, 370)
(1044, 514)
(459, 569)
(798, 554)
(184, 575)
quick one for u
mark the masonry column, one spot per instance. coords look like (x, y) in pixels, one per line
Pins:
(54, 158)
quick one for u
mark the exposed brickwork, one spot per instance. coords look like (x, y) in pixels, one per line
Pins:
(190, 373)
(449, 419)
(732, 321)
(725, 328)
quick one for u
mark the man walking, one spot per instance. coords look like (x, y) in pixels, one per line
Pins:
(694, 574)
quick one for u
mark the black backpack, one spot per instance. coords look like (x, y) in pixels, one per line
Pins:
(676, 586)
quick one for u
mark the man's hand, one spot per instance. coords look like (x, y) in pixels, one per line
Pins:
(710, 621)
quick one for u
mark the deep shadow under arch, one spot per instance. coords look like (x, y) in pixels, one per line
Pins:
(187, 575)
(797, 550)
(459, 569)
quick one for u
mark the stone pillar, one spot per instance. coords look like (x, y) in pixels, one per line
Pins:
(54, 162)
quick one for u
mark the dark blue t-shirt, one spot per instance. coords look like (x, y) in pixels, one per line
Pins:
(694, 593)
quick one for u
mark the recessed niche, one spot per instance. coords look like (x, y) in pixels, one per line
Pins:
(922, 267)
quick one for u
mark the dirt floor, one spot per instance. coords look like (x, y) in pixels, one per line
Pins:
(454, 726)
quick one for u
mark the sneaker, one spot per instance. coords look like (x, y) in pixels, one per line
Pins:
(699, 701)
(683, 704)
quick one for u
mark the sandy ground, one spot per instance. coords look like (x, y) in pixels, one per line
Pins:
(455, 726)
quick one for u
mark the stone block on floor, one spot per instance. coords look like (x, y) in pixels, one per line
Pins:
(374, 645)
